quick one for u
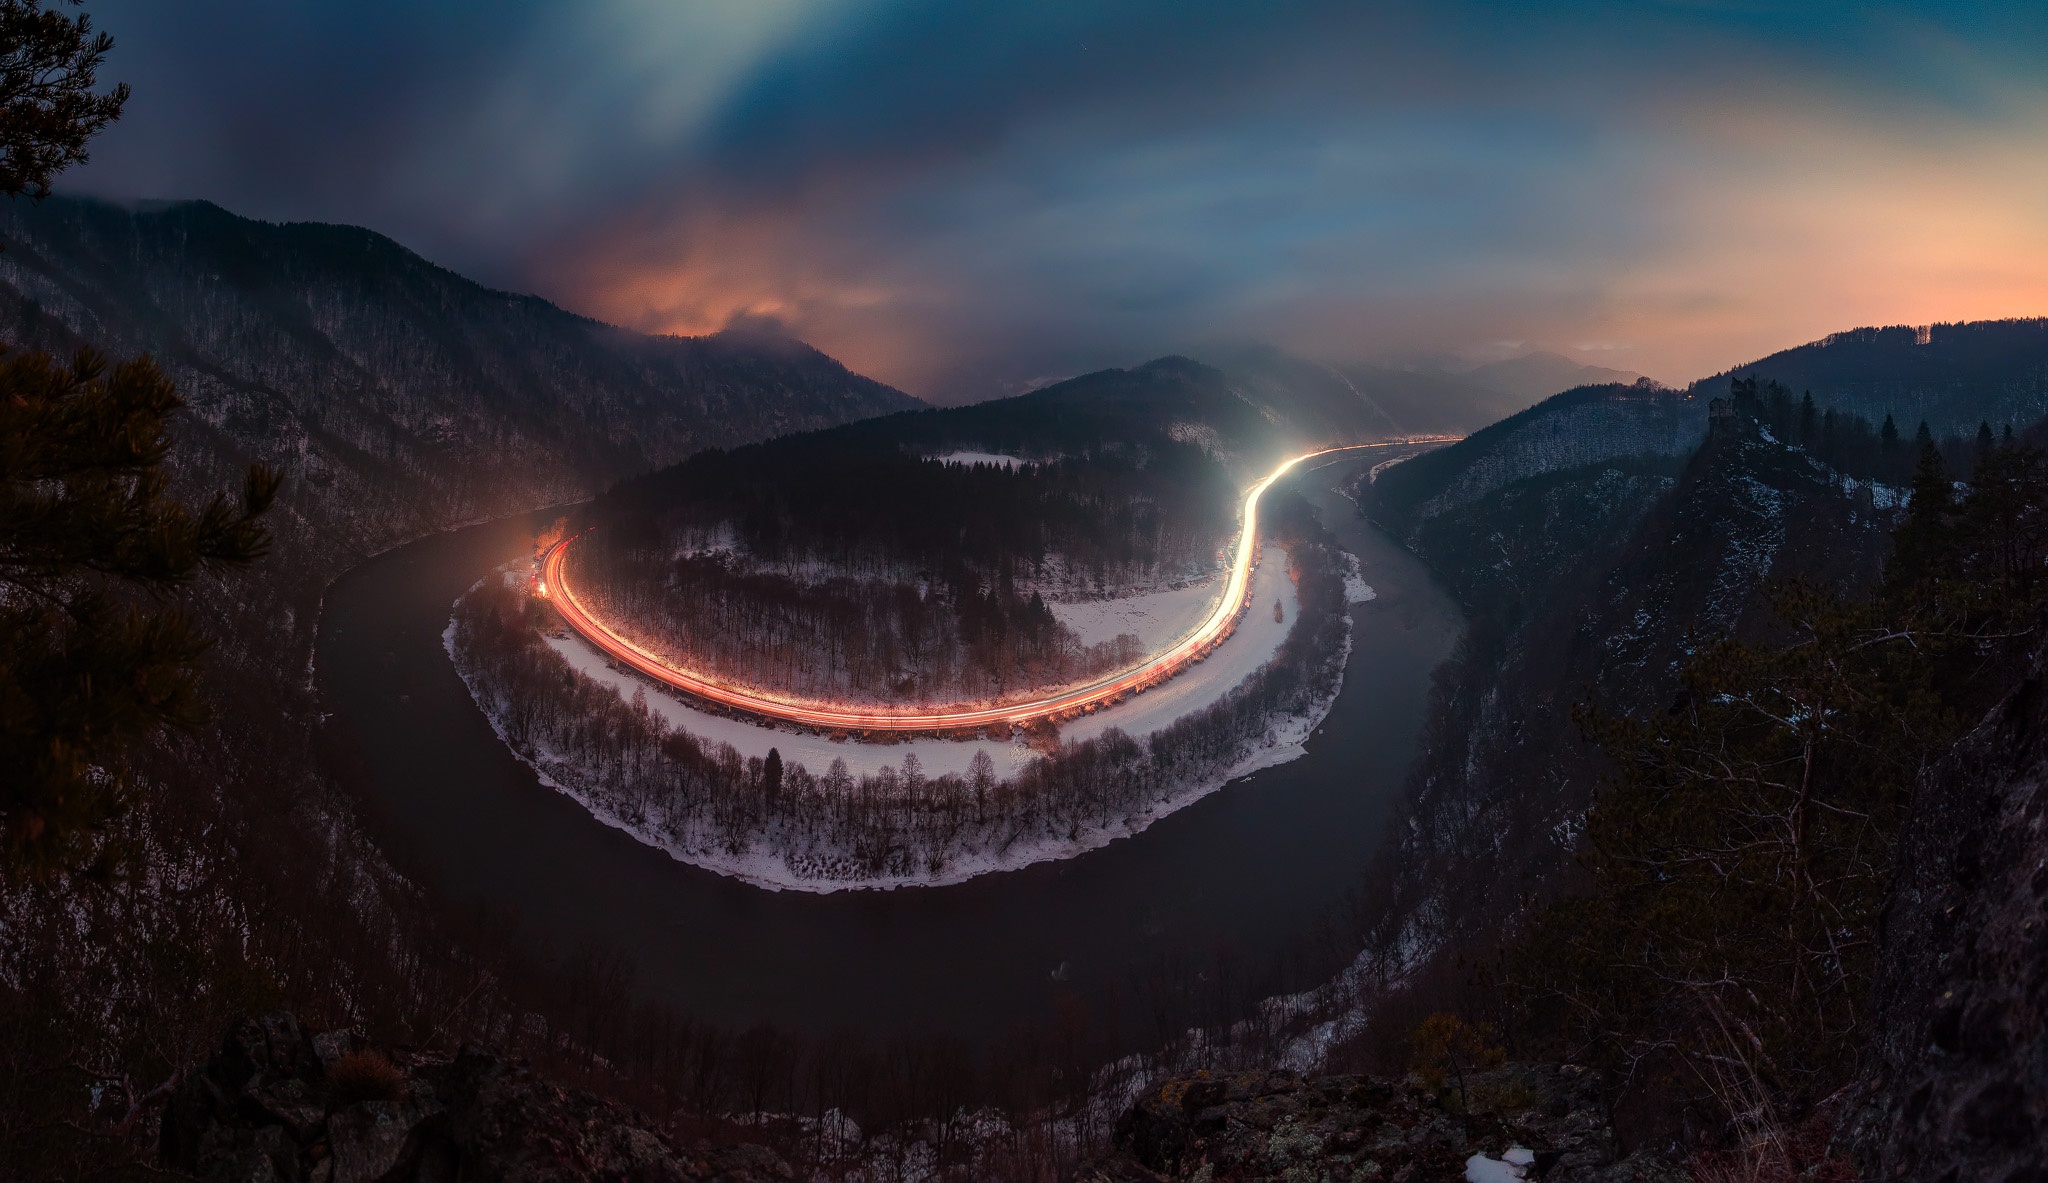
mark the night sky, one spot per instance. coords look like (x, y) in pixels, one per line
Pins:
(963, 198)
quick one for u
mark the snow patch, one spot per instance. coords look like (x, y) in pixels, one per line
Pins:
(1512, 1167)
(1157, 619)
(1356, 589)
(998, 459)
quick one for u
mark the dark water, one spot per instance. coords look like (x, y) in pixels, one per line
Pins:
(1251, 869)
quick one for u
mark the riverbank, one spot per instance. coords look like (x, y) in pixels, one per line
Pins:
(1252, 872)
(927, 812)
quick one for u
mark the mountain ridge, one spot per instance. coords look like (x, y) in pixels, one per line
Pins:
(1954, 375)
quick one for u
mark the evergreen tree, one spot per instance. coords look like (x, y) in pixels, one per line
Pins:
(1984, 438)
(1920, 546)
(1809, 420)
(94, 651)
(49, 65)
(1738, 864)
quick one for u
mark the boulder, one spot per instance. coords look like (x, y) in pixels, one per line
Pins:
(1533, 1121)
(276, 1105)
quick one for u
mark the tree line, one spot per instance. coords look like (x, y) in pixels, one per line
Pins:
(1849, 443)
(843, 638)
(1108, 514)
(1722, 955)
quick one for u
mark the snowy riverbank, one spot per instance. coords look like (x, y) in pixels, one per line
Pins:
(928, 812)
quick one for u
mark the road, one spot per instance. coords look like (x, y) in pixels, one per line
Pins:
(1157, 668)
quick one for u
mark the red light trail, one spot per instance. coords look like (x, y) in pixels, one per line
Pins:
(1213, 630)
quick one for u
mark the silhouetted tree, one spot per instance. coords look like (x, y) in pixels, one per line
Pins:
(1921, 544)
(93, 653)
(49, 65)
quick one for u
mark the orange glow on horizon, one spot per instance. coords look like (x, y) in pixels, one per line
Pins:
(1751, 228)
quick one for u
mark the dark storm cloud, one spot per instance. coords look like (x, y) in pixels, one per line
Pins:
(962, 196)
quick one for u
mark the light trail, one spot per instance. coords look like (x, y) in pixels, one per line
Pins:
(1213, 631)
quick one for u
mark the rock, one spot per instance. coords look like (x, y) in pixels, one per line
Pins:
(267, 1109)
(1275, 1126)
(1957, 1080)
(373, 1140)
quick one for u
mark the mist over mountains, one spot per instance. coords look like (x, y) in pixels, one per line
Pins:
(1407, 400)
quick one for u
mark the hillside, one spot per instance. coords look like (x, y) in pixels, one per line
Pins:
(1569, 430)
(1590, 585)
(399, 399)
(398, 396)
(1600, 596)
(1953, 376)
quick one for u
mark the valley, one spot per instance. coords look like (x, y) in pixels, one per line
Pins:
(975, 959)
(1022, 594)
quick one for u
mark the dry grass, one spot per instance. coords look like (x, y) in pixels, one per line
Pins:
(366, 1076)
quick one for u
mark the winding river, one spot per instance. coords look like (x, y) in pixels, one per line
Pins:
(1252, 870)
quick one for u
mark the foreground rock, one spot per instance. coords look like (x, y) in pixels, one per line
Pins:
(279, 1106)
(1957, 1083)
(1524, 1122)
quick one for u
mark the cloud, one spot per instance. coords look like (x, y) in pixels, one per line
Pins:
(962, 198)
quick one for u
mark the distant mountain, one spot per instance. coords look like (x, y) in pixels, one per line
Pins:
(399, 396)
(1569, 430)
(1138, 476)
(1953, 376)
(1403, 401)
(1539, 375)
(909, 568)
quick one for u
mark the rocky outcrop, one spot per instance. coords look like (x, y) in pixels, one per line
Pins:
(279, 1106)
(1957, 1087)
(1524, 1121)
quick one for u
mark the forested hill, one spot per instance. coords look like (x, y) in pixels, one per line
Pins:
(1579, 427)
(1118, 464)
(1953, 376)
(922, 572)
(397, 395)
(1700, 699)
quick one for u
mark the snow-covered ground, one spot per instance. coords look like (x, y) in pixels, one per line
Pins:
(1254, 643)
(995, 458)
(760, 860)
(1356, 589)
(1157, 619)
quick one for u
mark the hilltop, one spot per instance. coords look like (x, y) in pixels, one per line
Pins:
(915, 555)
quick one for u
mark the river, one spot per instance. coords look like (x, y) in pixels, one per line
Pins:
(1252, 870)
